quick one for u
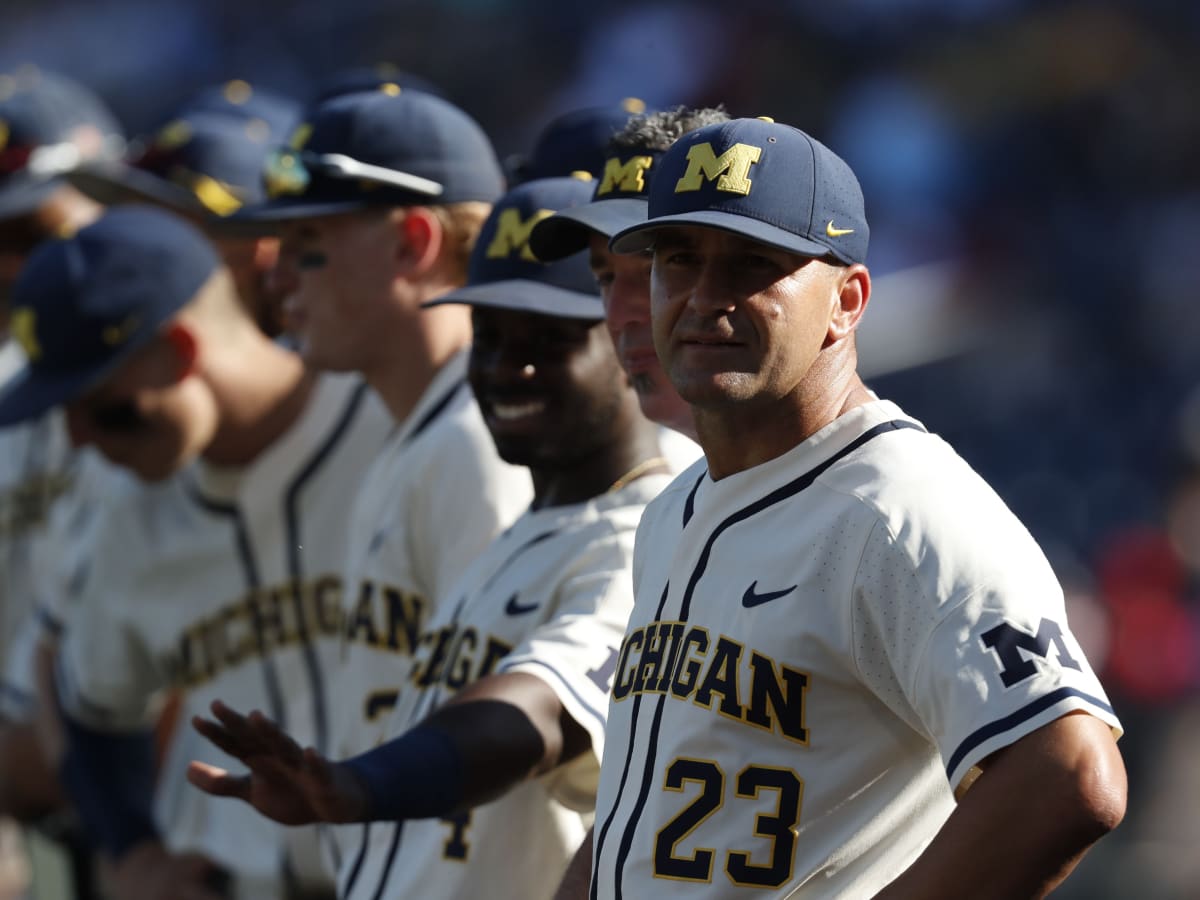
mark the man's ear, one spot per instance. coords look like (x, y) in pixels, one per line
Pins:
(266, 254)
(853, 291)
(185, 349)
(420, 243)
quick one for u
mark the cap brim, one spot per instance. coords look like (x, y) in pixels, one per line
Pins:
(29, 394)
(288, 210)
(25, 195)
(641, 237)
(114, 183)
(526, 295)
(568, 232)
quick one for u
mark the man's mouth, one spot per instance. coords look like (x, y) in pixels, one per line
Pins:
(514, 412)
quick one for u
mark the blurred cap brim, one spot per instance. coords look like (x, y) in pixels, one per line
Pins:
(30, 394)
(526, 295)
(569, 231)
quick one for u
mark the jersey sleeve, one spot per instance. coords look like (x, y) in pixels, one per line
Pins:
(574, 651)
(971, 647)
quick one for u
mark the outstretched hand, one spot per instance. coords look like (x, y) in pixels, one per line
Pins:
(287, 783)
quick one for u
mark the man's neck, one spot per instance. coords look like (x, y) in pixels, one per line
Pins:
(634, 453)
(402, 376)
(740, 438)
(258, 403)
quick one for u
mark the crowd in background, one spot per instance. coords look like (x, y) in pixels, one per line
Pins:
(1043, 152)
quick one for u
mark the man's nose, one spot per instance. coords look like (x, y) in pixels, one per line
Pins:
(709, 292)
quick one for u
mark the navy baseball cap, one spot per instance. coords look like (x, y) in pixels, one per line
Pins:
(387, 147)
(48, 125)
(619, 201)
(81, 306)
(576, 141)
(372, 78)
(768, 182)
(503, 271)
(203, 164)
(241, 100)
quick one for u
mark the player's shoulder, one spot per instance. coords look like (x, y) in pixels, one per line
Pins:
(344, 402)
(900, 466)
(609, 520)
(446, 422)
(927, 498)
(671, 500)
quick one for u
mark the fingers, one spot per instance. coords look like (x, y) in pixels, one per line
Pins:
(246, 737)
(273, 741)
(221, 738)
(218, 782)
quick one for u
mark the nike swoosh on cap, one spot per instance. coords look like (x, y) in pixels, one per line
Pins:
(837, 232)
(752, 598)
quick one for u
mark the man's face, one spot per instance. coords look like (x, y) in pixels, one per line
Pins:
(736, 321)
(145, 417)
(550, 389)
(340, 312)
(624, 281)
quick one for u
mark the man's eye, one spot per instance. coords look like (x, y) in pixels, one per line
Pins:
(603, 279)
(311, 259)
(756, 261)
(675, 257)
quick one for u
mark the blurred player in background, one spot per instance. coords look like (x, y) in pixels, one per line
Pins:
(624, 279)
(487, 790)
(832, 607)
(618, 202)
(48, 124)
(574, 141)
(222, 574)
(382, 196)
(206, 163)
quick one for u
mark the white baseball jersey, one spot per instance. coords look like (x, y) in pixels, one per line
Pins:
(822, 646)
(433, 499)
(37, 470)
(549, 597)
(226, 583)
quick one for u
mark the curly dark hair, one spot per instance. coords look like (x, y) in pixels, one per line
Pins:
(659, 130)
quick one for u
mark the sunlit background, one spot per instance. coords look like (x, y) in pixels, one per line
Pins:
(1031, 172)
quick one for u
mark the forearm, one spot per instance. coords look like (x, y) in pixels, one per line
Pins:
(578, 877)
(1028, 820)
(494, 735)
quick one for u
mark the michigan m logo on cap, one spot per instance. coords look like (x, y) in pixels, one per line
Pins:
(512, 234)
(628, 176)
(23, 326)
(731, 169)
